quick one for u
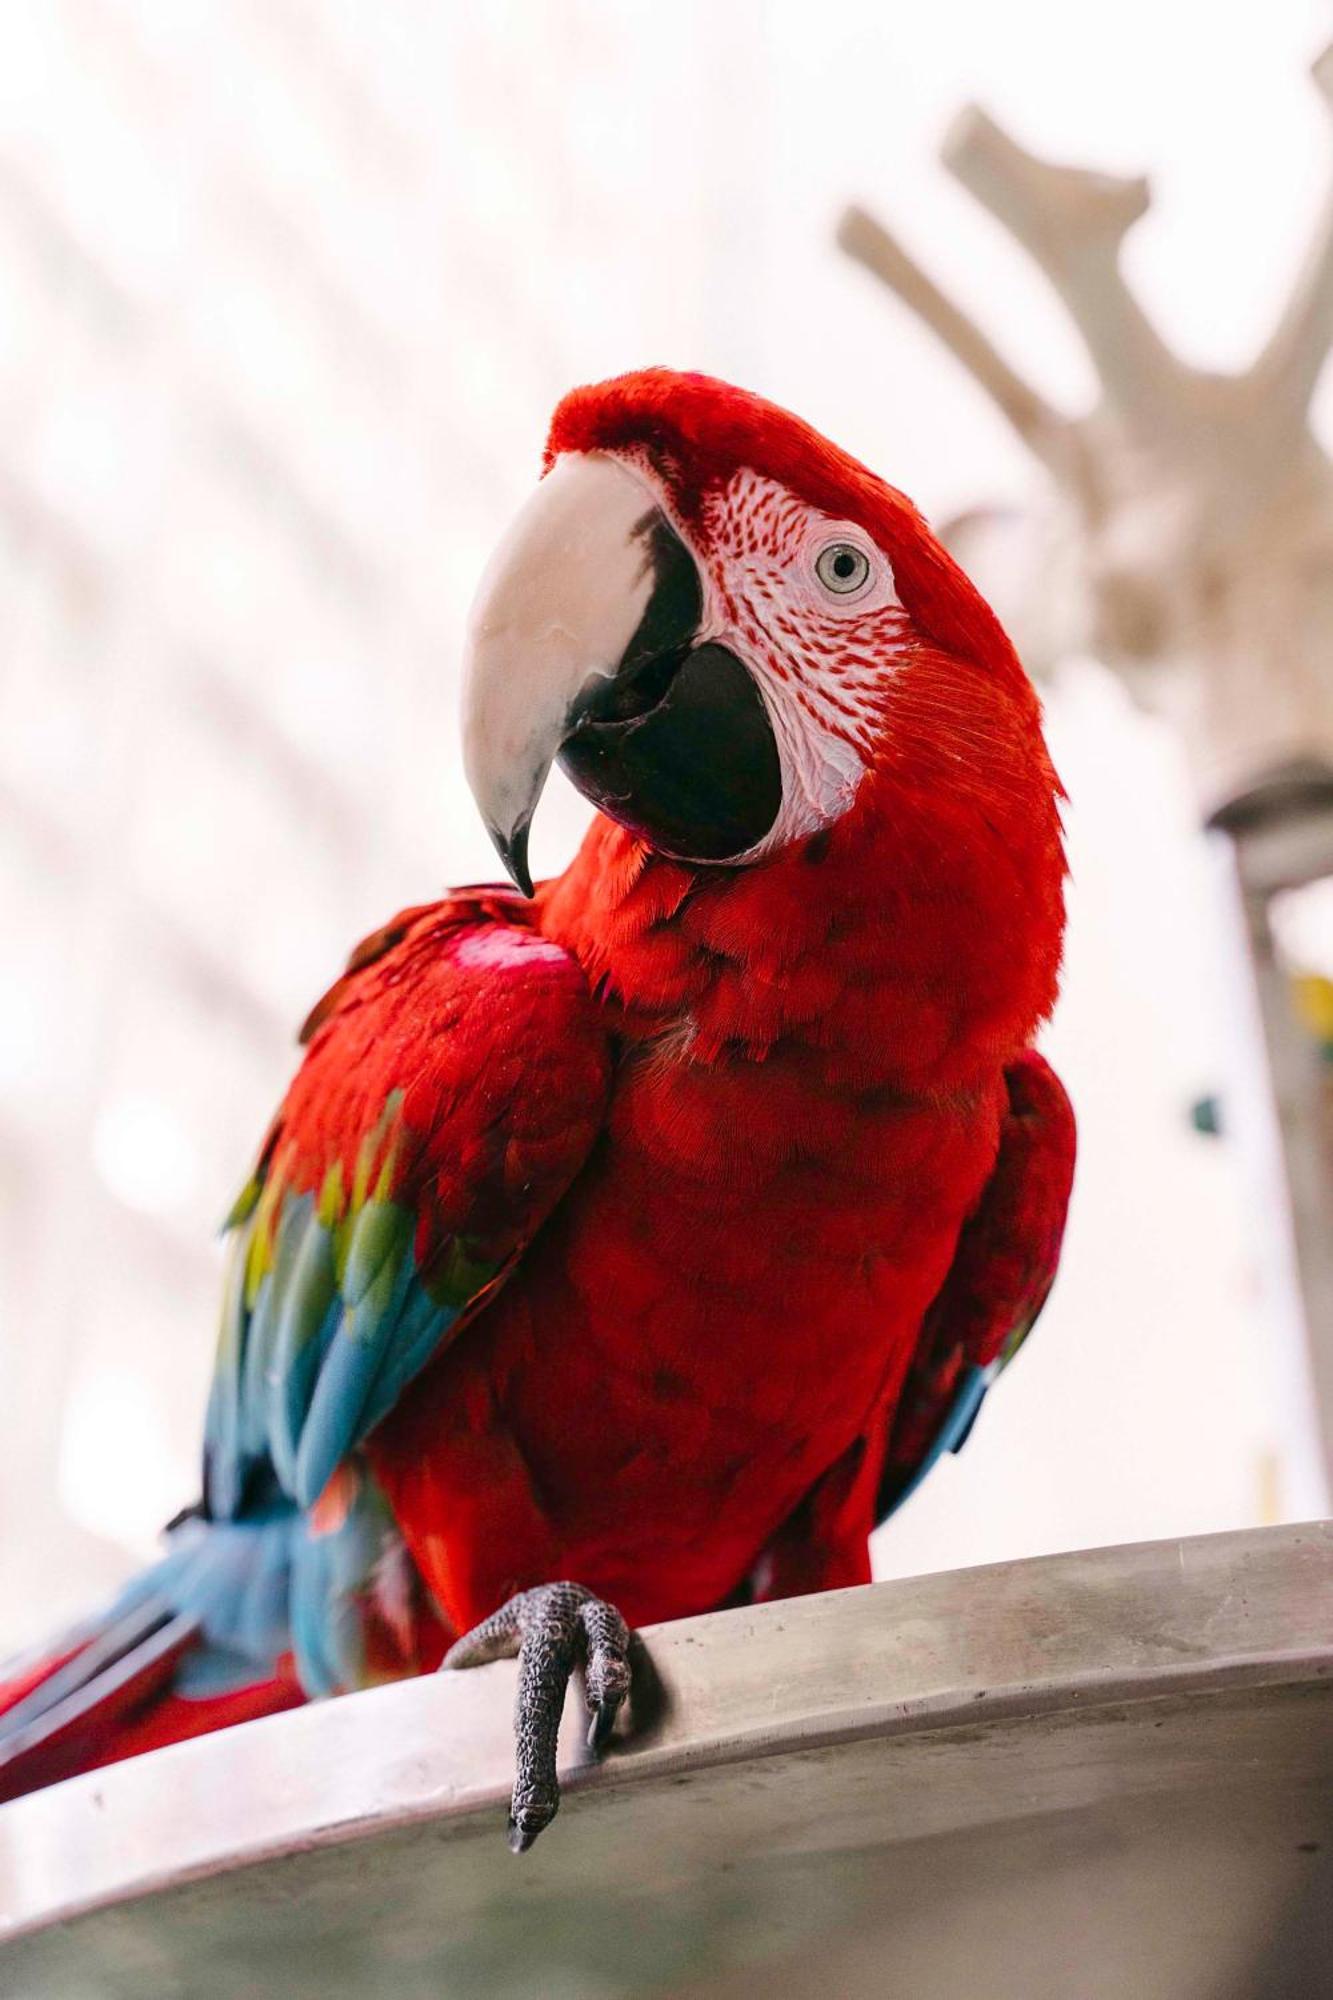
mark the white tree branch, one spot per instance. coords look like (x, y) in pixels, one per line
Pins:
(1289, 366)
(1071, 222)
(1038, 424)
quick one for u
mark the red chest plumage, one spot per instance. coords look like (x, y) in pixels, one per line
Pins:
(727, 1295)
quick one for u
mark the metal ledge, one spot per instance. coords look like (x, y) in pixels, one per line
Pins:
(1105, 1773)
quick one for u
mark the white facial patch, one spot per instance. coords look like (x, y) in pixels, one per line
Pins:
(809, 603)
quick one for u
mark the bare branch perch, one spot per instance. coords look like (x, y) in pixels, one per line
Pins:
(1071, 222)
(1037, 423)
(1289, 366)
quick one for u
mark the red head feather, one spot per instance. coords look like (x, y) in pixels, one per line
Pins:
(953, 842)
(697, 432)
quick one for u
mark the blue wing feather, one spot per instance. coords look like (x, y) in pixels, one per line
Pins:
(335, 1329)
(954, 1430)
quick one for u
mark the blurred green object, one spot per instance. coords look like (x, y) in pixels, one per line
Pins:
(1206, 1116)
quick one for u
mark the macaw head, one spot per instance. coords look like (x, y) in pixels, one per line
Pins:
(734, 638)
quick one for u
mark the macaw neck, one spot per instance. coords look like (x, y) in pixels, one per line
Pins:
(889, 946)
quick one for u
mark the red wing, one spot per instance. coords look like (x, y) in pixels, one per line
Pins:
(1003, 1268)
(454, 1081)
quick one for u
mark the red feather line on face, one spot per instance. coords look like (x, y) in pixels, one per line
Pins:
(837, 664)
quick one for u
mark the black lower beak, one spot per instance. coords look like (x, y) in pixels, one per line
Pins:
(673, 739)
(679, 748)
(677, 745)
(512, 848)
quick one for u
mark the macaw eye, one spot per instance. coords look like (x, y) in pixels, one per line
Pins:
(842, 568)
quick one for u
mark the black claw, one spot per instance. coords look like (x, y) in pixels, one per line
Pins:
(552, 1629)
(600, 1725)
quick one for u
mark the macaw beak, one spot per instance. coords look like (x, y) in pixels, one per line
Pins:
(582, 646)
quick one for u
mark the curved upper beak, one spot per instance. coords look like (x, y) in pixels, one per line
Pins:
(554, 614)
(583, 644)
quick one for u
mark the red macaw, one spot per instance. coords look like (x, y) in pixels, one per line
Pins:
(656, 1229)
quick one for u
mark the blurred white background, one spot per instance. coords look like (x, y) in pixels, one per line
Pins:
(288, 289)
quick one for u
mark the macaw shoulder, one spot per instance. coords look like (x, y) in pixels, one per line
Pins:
(476, 930)
(460, 1023)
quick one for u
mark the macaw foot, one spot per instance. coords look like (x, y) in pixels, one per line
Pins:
(552, 1629)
